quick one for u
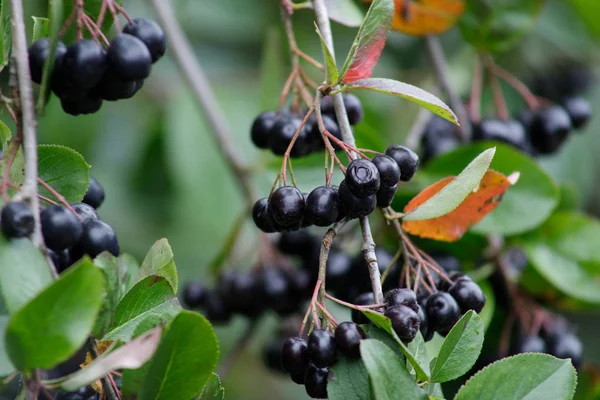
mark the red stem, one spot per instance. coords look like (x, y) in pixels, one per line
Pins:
(59, 196)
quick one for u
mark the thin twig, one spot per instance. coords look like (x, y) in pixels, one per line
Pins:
(111, 392)
(239, 347)
(324, 254)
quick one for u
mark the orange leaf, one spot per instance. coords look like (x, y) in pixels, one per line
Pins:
(478, 204)
(426, 17)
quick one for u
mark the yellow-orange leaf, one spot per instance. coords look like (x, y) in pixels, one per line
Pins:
(426, 17)
(451, 227)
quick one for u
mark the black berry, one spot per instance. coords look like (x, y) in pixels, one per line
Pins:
(407, 160)
(355, 207)
(215, 309)
(97, 237)
(281, 136)
(294, 355)
(531, 344)
(405, 321)
(16, 220)
(298, 378)
(566, 345)
(339, 265)
(129, 57)
(354, 108)
(261, 129)
(278, 290)
(549, 129)
(38, 54)
(385, 196)
(85, 211)
(362, 178)
(84, 63)
(315, 137)
(261, 217)
(95, 194)
(89, 104)
(424, 325)
(442, 312)
(60, 227)
(323, 206)
(297, 243)
(272, 354)
(389, 171)
(61, 259)
(440, 136)
(194, 294)
(347, 337)
(579, 110)
(468, 295)
(402, 296)
(322, 348)
(150, 33)
(511, 132)
(364, 299)
(113, 86)
(247, 296)
(315, 382)
(286, 207)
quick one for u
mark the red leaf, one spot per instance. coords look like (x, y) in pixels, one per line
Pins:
(366, 58)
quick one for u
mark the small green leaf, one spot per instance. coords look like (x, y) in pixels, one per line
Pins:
(57, 322)
(6, 366)
(5, 135)
(5, 34)
(344, 12)
(419, 349)
(454, 193)
(41, 28)
(24, 273)
(185, 359)
(331, 72)
(460, 350)
(388, 373)
(349, 380)
(213, 390)
(409, 92)
(159, 261)
(65, 170)
(525, 376)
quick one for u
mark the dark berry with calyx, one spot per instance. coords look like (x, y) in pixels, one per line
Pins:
(347, 338)
(408, 161)
(261, 217)
(364, 299)
(355, 207)
(442, 312)
(272, 354)
(150, 33)
(113, 86)
(323, 206)
(261, 129)
(549, 129)
(579, 110)
(89, 104)
(385, 196)
(194, 294)
(85, 63)
(281, 136)
(322, 348)
(389, 171)
(468, 295)
(530, 344)
(362, 178)
(286, 207)
(566, 345)
(354, 108)
(16, 220)
(294, 355)
(129, 57)
(95, 194)
(97, 237)
(315, 382)
(61, 259)
(215, 309)
(85, 211)
(402, 296)
(297, 243)
(60, 227)
(405, 321)
(444, 285)
(38, 54)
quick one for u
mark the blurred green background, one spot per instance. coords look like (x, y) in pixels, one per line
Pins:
(164, 178)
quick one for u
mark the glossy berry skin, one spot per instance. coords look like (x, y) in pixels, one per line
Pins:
(315, 137)
(61, 259)
(261, 217)
(278, 290)
(286, 207)
(323, 206)
(61, 228)
(97, 237)
(297, 243)
(362, 178)
(294, 355)
(129, 57)
(85, 63)
(38, 54)
(579, 110)
(347, 337)
(468, 295)
(549, 129)
(355, 207)
(150, 33)
(402, 296)
(89, 104)
(339, 265)
(405, 321)
(442, 312)
(354, 108)
(215, 309)
(95, 194)
(440, 137)
(385, 196)
(408, 161)
(16, 220)
(298, 378)
(247, 296)
(511, 132)
(389, 171)
(363, 299)
(281, 136)
(315, 382)
(194, 294)
(322, 348)
(85, 211)
(566, 345)
(424, 325)
(261, 129)
(113, 87)
(531, 344)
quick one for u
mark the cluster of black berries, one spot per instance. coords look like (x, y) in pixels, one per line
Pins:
(84, 74)
(308, 362)
(68, 236)
(83, 393)
(368, 184)
(274, 130)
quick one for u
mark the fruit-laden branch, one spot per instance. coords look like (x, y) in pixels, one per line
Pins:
(368, 246)
(196, 78)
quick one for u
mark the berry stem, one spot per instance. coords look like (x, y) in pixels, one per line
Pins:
(324, 255)
(327, 313)
(476, 90)
(12, 153)
(286, 156)
(499, 99)
(309, 309)
(59, 196)
(530, 98)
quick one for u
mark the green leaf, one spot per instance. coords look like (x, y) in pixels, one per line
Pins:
(41, 28)
(369, 41)
(388, 373)
(419, 349)
(344, 12)
(421, 369)
(525, 376)
(331, 72)
(24, 272)
(57, 322)
(524, 207)
(5, 135)
(65, 170)
(213, 390)
(6, 366)
(272, 72)
(349, 380)
(186, 357)
(159, 261)
(460, 350)
(5, 32)
(409, 92)
(454, 193)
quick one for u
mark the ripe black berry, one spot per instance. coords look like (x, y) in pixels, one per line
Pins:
(113, 86)
(579, 110)
(339, 265)
(298, 378)
(549, 128)
(38, 54)
(322, 206)
(194, 294)
(261, 129)
(129, 57)
(362, 178)
(294, 355)
(88, 104)
(297, 243)
(84, 63)
(322, 348)
(355, 207)
(424, 325)
(566, 345)
(389, 171)
(385, 196)
(247, 296)
(261, 217)
(98, 236)
(440, 136)
(215, 309)
(150, 33)
(364, 299)
(286, 207)
(530, 344)
(511, 132)
(281, 136)
(61, 259)
(405, 321)
(442, 312)
(85, 211)
(402, 296)
(60, 227)
(354, 108)
(314, 133)
(16, 220)
(468, 295)
(347, 337)
(407, 160)
(272, 354)
(278, 290)
(315, 382)
(95, 194)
